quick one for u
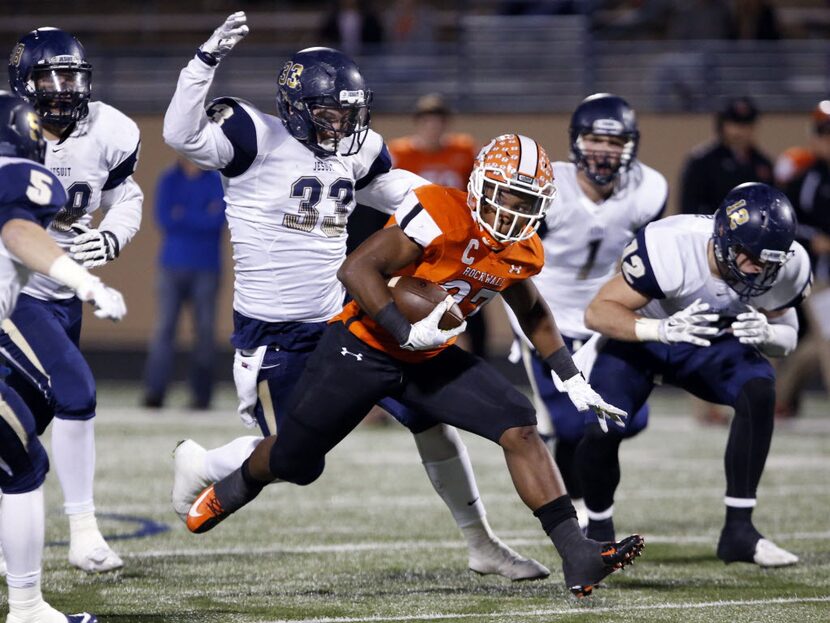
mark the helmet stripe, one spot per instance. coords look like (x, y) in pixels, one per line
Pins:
(528, 156)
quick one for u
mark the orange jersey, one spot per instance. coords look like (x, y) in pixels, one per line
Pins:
(449, 166)
(455, 256)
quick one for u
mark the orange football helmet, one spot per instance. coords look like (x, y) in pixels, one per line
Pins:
(517, 166)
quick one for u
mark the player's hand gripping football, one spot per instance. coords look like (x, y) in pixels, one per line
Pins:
(425, 334)
(751, 327)
(584, 397)
(93, 247)
(224, 38)
(108, 301)
(689, 325)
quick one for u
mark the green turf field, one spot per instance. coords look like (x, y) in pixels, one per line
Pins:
(370, 541)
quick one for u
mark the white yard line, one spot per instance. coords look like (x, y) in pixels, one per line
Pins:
(349, 547)
(520, 615)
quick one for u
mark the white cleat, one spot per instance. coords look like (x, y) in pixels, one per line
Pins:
(93, 555)
(189, 477)
(768, 554)
(45, 613)
(494, 557)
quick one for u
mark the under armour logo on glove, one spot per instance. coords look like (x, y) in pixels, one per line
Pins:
(345, 351)
(93, 247)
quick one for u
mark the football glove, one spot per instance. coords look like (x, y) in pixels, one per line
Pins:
(425, 334)
(584, 397)
(224, 38)
(93, 247)
(108, 301)
(751, 327)
(688, 325)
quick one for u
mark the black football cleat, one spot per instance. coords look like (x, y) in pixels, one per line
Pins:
(598, 560)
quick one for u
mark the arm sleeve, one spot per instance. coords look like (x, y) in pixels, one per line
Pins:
(187, 128)
(390, 191)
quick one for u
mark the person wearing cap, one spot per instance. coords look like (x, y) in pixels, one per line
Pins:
(712, 170)
(445, 158)
(809, 192)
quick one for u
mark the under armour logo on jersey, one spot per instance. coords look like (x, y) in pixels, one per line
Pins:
(345, 351)
(515, 270)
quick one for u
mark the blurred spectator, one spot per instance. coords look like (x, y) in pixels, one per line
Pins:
(794, 161)
(810, 195)
(190, 213)
(444, 158)
(755, 19)
(673, 19)
(411, 25)
(352, 26)
(712, 170)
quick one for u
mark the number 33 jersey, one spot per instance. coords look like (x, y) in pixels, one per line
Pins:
(286, 207)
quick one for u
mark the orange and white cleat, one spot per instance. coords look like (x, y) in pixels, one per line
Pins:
(206, 512)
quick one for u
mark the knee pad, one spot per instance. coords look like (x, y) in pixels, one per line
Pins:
(297, 469)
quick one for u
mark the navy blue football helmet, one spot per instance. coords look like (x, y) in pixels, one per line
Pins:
(757, 220)
(21, 134)
(48, 68)
(323, 101)
(603, 114)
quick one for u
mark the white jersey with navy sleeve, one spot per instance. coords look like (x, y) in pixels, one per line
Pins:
(286, 207)
(668, 262)
(95, 164)
(583, 239)
(27, 191)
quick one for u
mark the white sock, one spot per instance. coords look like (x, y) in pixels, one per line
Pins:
(448, 466)
(21, 533)
(73, 455)
(221, 461)
(82, 525)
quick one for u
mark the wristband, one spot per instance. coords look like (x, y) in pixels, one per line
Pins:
(562, 364)
(391, 319)
(207, 59)
(647, 329)
(68, 272)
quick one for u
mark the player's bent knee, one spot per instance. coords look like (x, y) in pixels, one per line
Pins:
(74, 394)
(295, 468)
(519, 437)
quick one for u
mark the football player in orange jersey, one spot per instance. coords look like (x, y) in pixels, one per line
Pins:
(476, 245)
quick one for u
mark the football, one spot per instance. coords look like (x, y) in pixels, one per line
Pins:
(416, 297)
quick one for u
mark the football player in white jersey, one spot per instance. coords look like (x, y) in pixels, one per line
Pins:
(604, 196)
(92, 149)
(291, 182)
(30, 196)
(701, 300)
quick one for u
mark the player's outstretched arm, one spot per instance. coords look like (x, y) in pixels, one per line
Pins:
(29, 243)
(365, 274)
(187, 128)
(539, 326)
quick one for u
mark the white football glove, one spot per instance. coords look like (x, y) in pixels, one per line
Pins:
(425, 334)
(108, 301)
(584, 397)
(93, 247)
(224, 38)
(688, 325)
(751, 327)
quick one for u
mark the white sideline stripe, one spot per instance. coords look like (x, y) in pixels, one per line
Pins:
(564, 611)
(414, 545)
